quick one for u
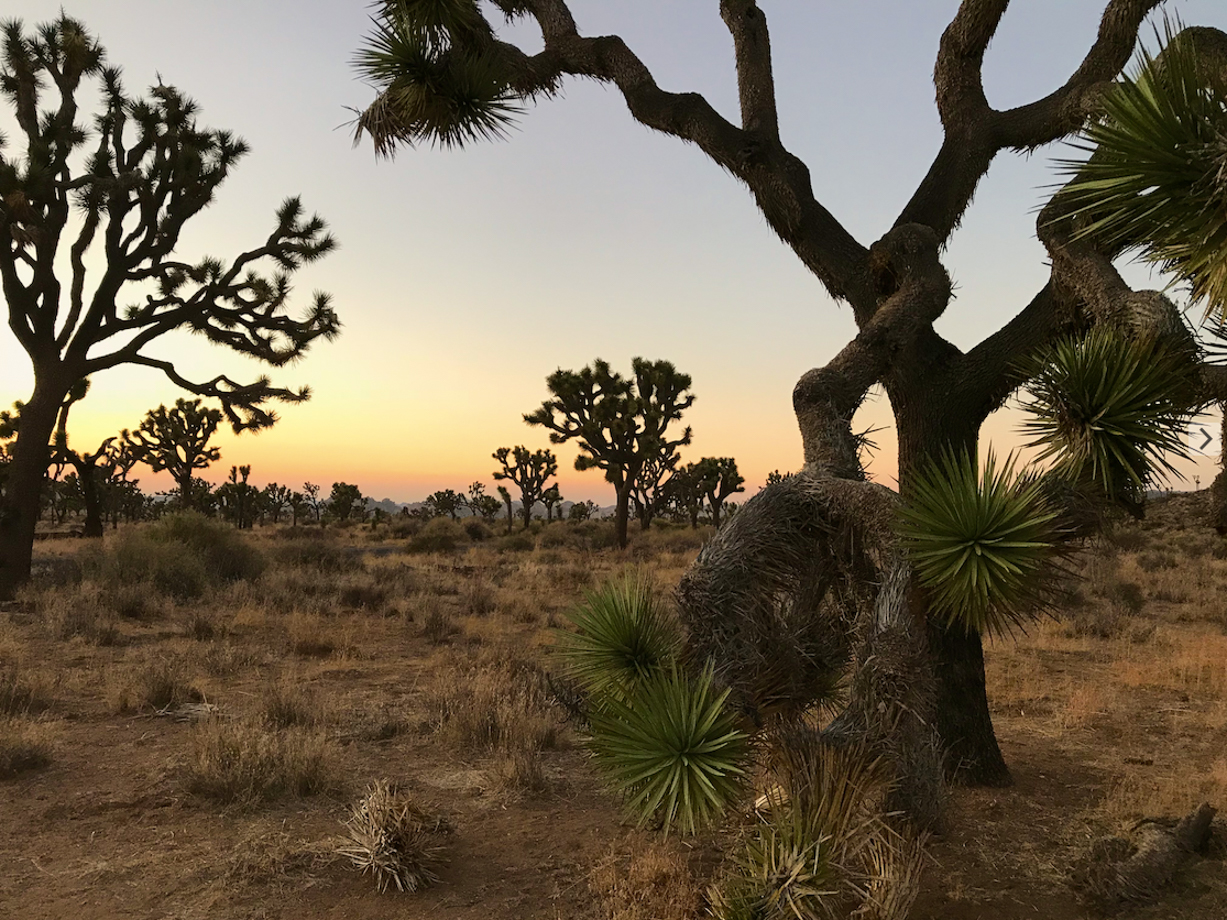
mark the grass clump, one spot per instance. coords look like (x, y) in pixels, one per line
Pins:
(24, 746)
(287, 704)
(440, 535)
(20, 692)
(494, 709)
(235, 762)
(391, 837)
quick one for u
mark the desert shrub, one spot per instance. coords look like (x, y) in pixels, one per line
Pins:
(438, 627)
(24, 746)
(133, 601)
(1153, 561)
(478, 598)
(405, 527)
(518, 542)
(1096, 622)
(286, 704)
(440, 535)
(311, 636)
(236, 762)
(366, 594)
(204, 625)
(1127, 539)
(477, 530)
(74, 613)
(316, 549)
(559, 536)
(523, 771)
(595, 535)
(224, 658)
(1127, 596)
(182, 556)
(160, 684)
(394, 839)
(494, 708)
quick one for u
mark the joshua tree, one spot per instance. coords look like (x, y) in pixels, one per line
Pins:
(346, 502)
(237, 498)
(506, 497)
(1149, 185)
(311, 493)
(277, 498)
(177, 440)
(529, 471)
(650, 491)
(299, 507)
(445, 502)
(621, 425)
(720, 479)
(551, 498)
(480, 504)
(111, 201)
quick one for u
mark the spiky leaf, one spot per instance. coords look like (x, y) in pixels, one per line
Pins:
(430, 89)
(624, 636)
(673, 750)
(1156, 177)
(1111, 408)
(980, 542)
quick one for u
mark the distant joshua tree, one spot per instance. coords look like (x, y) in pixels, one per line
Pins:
(111, 203)
(346, 502)
(177, 440)
(620, 425)
(529, 471)
(551, 497)
(506, 497)
(482, 505)
(445, 502)
(719, 479)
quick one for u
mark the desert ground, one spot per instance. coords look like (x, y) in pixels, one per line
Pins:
(174, 745)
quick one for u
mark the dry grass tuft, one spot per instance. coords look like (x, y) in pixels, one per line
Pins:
(236, 762)
(494, 709)
(394, 839)
(289, 704)
(159, 684)
(653, 883)
(312, 636)
(24, 746)
(277, 858)
(438, 627)
(21, 692)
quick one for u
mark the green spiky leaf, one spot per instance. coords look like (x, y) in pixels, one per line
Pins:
(672, 750)
(1156, 178)
(1111, 408)
(980, 542)
(624, 637)
(430, 89)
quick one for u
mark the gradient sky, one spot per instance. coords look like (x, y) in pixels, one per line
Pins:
(464, 277)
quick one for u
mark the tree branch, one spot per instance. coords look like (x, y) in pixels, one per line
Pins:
(755, 84)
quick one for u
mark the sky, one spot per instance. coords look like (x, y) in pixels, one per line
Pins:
(463, 278)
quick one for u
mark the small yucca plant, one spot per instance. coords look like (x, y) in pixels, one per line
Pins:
(393, 839)
(785, 870)
(672, 749)
(624, 637)
(1156, 177)
(979, 541)
(1110, 408)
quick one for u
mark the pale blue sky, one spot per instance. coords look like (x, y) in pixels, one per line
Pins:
(464, 278)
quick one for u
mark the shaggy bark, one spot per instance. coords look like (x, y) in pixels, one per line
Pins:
(940, 395)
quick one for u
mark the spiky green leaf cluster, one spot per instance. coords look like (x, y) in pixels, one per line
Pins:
(786, 870)
(435, 83)
(1110, 409)
(980, 542)
(672, 749)
(1156, 177)
(624, 637)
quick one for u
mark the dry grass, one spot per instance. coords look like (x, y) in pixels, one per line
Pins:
(277, 858)
(160, 684)
(653, 882)
(24, 746)
(236, 762)
(494, 708)
(288, 703)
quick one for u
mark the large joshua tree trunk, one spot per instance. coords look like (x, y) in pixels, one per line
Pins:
(20, 505)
